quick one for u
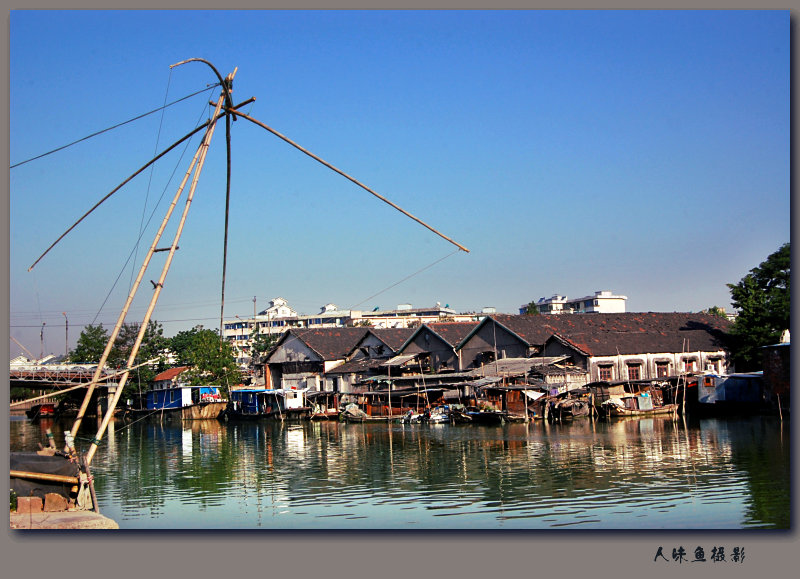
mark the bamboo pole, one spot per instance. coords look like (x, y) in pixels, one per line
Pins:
(91, 486)
(348, 177)
(200, 158)
(45, 477)
(131, 295)
(138, 171)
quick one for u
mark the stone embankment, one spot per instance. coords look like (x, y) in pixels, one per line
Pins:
(33, 513)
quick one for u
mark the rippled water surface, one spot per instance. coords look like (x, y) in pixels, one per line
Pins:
(627, 474)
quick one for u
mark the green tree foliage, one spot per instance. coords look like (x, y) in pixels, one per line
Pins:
(93, 340)
(716, 311)
(181, 345)
(262, 344)
(210, 360)
(531, 309)
(763, 301)
(90, 346)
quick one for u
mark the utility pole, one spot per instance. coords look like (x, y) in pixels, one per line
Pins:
(66, 336)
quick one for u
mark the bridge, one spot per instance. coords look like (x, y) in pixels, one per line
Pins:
(51, 381)
(48, 376)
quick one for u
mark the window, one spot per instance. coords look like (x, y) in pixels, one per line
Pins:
(662, 369)
(690, 365)
(605, 372)
(634, 371)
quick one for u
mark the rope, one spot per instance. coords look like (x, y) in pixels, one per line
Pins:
(405, 278)
(150, 178)
(108, 129)
(135, 249)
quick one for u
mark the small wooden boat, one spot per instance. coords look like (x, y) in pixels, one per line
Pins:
(352, 413)
(37, 411)
(570, 408)
(329, 414)
(437, 415)
(635, 406)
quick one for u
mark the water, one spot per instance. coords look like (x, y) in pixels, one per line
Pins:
(648, 473)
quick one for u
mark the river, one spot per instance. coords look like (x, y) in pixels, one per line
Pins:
(650, 473)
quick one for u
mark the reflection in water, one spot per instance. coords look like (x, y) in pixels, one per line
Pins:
(624, 474)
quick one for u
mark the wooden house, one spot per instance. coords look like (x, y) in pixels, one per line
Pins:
(301, 358)
(433, 348)
(367, 357)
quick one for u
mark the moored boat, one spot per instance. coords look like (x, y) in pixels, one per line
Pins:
(267, 404)
(47, 410)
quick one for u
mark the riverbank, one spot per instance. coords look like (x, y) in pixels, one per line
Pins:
(61, 520)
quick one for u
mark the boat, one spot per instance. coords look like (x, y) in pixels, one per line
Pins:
(37, 411)
(170, 394)
(352, 413)
(437, 415)
(267, 404)
(569, 407)
(635, 406)
(325, 414)
(489, 417)
(411, 417)
(634, 398)
(458, 415)
(324, 405)
(728, 394)
(186, 402)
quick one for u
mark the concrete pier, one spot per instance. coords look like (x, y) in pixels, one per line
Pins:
(61, 520)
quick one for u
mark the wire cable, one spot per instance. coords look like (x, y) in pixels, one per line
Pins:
(406, 278)
(108, 129)
(142, 229)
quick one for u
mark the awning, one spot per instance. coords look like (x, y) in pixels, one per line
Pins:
(533, 394)
(399, 360)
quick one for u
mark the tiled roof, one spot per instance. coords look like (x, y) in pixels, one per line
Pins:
(393, 337)
(627, 333)
(535, 330)
(452, 332)
(330, 343)
(170, 374)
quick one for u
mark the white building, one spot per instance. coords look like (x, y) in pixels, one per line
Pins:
(602, 302)
(279, 317)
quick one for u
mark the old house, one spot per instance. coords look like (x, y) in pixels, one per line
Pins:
(433, 348)
(641, 346)
(367, 357)
(301, 358)
(491, 340)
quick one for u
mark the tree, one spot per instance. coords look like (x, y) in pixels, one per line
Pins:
(715, 311)
(153, 347)
(91, 344)
(93, 340)
(531, 309)
(763, 301)
(263, 343)
(181, 345)
(210, 360)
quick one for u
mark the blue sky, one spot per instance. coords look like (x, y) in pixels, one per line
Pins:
(646, 153)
